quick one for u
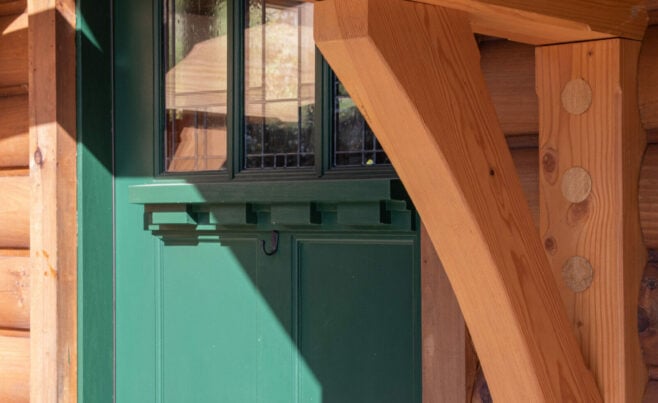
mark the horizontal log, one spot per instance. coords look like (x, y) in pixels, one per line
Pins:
(14, 252)
(14, 292)
(527, 163)
(13, 50)
(508, 69)
(14, 368)
(14, 138)
(15, 212)
(12, 7)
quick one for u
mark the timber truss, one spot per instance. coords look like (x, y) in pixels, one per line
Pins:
(552, 313)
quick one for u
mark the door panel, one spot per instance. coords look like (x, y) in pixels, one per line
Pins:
(221, 340)
(331, 317)
(357, 303)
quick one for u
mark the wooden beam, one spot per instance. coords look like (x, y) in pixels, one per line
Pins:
(52, 94)
(542, 22)
(414, 72)
(449, 362)
(14, 293)
(591, 145)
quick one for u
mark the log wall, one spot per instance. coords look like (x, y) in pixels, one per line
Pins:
(14, 205)
(510, 73)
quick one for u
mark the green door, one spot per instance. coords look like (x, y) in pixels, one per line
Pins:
(247, 282)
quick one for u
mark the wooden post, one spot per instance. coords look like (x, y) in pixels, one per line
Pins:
(449, 362)
(591, 147)
(413, 70)
(53, 224)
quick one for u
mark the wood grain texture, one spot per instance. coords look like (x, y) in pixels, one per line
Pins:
(52, 106)
(15, 368)
(597, 218)
(14, 138)
(448, 359)
(15, 212)
(648, 197)
(414, 72)
(15, 293)
(648, 79)
(527, 163)
(12, 7)
(14, 252)
(652, 8)
(509, 70)
(13, 50)
(542, 22)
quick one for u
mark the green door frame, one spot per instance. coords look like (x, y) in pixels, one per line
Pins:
(95, 201)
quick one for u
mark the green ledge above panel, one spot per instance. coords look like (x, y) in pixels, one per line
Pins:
(324, 191)
(203, 211)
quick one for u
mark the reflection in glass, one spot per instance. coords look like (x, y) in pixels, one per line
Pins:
(195, 85)
(354, 142)
(279, 84)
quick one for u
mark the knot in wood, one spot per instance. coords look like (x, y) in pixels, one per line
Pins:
(577, 273)
(550, 244)
(576, 185)
(577, 96)
(38, 157)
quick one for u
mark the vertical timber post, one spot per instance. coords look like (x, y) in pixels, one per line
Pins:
(591, 146)
(53, 218)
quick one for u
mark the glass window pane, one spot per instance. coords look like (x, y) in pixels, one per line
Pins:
(196, 85)
(279, 84)
(354, 142)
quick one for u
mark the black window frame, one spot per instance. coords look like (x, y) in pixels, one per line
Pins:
(323, 135)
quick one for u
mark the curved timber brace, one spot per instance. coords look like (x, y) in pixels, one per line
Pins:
(413, 70)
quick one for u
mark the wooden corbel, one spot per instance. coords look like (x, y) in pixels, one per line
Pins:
(413, 70)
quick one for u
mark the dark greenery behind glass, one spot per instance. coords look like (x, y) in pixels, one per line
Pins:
(354, 142)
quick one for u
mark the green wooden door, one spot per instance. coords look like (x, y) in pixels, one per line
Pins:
(203, 314)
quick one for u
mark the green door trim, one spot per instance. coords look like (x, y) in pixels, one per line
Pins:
(95, 206)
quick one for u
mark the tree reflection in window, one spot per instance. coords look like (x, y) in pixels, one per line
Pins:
(354, 142)
(279, 84)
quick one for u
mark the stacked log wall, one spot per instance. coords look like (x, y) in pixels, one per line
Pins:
(509, 69)
(14, 205)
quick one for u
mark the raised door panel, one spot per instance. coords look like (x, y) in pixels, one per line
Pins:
(358, 318)
(226, 324)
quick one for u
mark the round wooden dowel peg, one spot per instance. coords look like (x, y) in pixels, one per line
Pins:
(576, 185)
(577, 273)
(577, 96)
